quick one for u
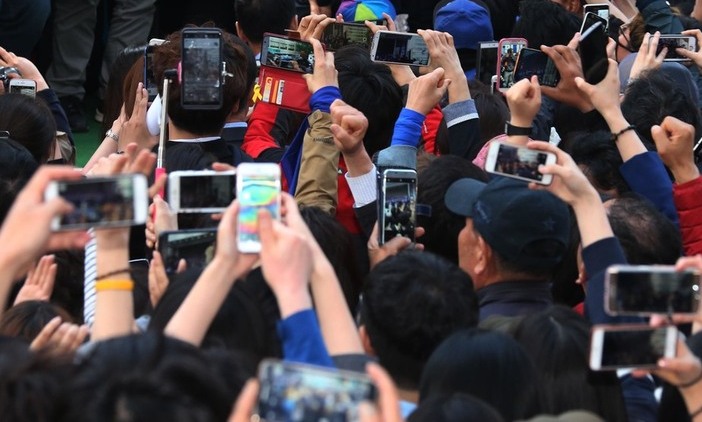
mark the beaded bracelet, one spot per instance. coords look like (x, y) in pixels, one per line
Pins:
(615, 136)
(115, 284)
(111, 273)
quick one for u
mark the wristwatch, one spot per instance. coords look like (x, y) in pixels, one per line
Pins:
(511, 130)
(111, 134)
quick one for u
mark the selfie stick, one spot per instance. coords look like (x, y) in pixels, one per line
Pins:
(160, 169)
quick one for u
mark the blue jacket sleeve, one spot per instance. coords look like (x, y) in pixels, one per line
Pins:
(323, 98)
(639, 398)
(646, 175)
(408, 128)
(302, 339)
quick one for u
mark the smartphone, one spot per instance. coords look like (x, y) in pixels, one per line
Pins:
(257, 186)
(592, 17)
(298, 392)
(508, 50)
(150, 83)
(204, 191)
(593, 53)
(379, 22)
(26, 87)
(645, 290)
(518, 162)
(630, 346)
(201, 69)
(397, 202)
(535, 62)
(486, 61)
(287, 53)
(197, 247)
(399, 48)
(676, 41)
(99, 202)
(337, 35)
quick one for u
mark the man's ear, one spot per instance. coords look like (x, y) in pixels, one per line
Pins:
(240, 33)
(365, 341)
(483, 256)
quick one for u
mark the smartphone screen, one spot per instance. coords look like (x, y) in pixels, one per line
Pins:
(652, 290)
(593, 53)
(535, 62)
(518, 162)
(201, 73)
(601, 10)
(399, 200)
(149, 79)
(616, 348)
(337, 35)
(205, 191)
(486, 61)
(402, 48)
(258, 186)
(673, 42)
(592, 18)
(295, 392)
(114, 201)
(509, 50)
(286, 53)
(196, 247)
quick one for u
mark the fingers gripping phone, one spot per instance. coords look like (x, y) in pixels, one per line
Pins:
(397, 202)
(257, 187)
(532, 62)
(26, 87)
(593, 53)
(647, 290)
(203, 191)
(399, 48)
(287, 53)
(101, 202)
(508, 50)
(599, 9)
(197, 247)
(672, 42)
(201, 69)
(518, 162)
(337, 35)
(630, 346)
(297, 392)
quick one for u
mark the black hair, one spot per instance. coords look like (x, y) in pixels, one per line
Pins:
(26, 319)
(488, 365)
(493, 114)
(411, 303)
(30, 123)
(599, 159)
(652, 97)
(557, 340)
(442, 226)
(17, 166)
(456, 407)
(257, 17)
(235, 88)
(370, 88)
(543, 22)
(251, 70)
(646, 235)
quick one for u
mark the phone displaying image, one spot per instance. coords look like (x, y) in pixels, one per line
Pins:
(397, 202)
(150, 83)
(202, 191)
(257, 186)
(532, 62)
(297, 392)
(518, 162)
(117, 201)
(196, 247)
(593, 53)
(676, 41)
(287, 53)
(399, 48)
(486, 61)
(201, 69)
(508, 50)
(337, 35)
(26, 87)
(646, 290)
(630, 346)
(594, 15)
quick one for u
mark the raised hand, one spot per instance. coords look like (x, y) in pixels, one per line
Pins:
(524, 101)
(135, 130)
(39, 283)
(674, 141)
(59, 338)
(426, 91)
(324, 73)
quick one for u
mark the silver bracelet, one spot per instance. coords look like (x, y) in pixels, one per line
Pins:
(111, 134)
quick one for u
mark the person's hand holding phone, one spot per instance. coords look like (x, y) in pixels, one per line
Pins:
(324, 74)
(426, 91)
(378, 253)
(674, 142)
(135, 129)
(312, 26)
(443, 54)
(695, 56)
(26, 68)
(402, 74)
(605, 95)
(524, 101)
(647, 59)
(567, 61)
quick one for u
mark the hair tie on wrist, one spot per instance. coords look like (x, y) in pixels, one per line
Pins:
(111, 273)
(689, 384)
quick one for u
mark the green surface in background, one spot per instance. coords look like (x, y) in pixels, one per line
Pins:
(87, 143)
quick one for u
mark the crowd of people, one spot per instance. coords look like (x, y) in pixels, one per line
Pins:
(484, 313)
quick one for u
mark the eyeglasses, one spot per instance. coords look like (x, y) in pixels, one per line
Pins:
(623, 32)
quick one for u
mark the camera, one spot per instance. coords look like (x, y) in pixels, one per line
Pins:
(5, 73)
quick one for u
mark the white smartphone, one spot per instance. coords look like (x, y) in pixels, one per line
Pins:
(630, 346)
(518, 162)
(397, 202)
(644, 290)
(26, 87)
(399, 48)
(685, 42)
(101, 202)
(203, 191)
(257, 186)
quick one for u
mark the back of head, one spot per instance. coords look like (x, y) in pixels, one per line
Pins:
(16, 168)
(488, 365)
(370, 88)
(256, 17)
(26, 319)
(646, 235)
(599, 159)
(543, 22)
(557, 340)
(493, 114)
(468, 22)
(456, 407)
(30, 123)
(411, 303)
(443, 226)
(235, 88)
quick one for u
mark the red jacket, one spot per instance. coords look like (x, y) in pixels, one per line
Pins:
(688, 201)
